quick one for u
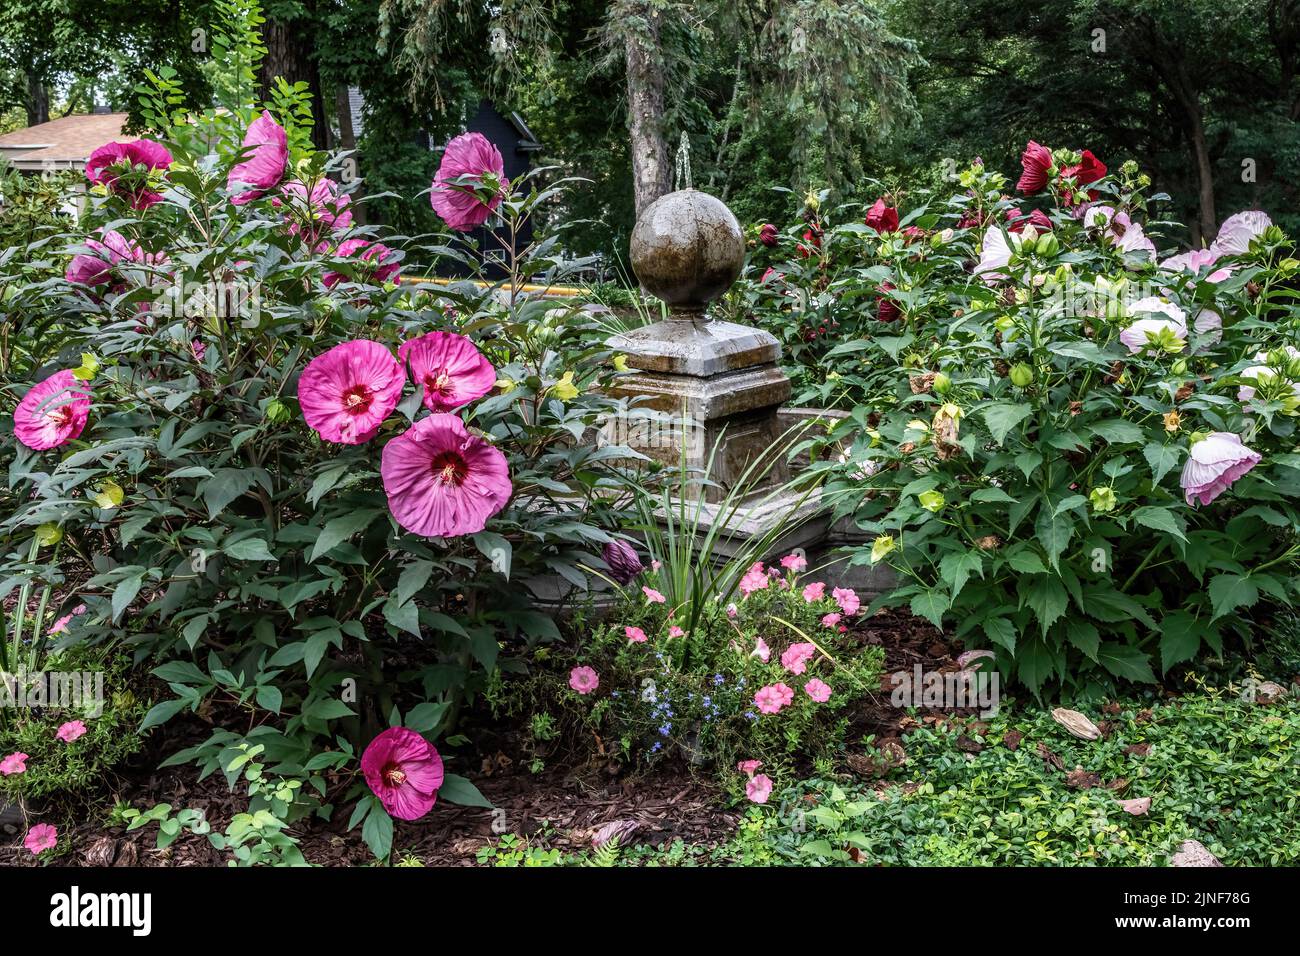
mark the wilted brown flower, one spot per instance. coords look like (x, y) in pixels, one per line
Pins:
(990, 542)
(921, 384)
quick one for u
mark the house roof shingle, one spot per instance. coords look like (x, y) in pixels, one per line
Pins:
(61, 143)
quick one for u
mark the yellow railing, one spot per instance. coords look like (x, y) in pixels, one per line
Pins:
(558, 291)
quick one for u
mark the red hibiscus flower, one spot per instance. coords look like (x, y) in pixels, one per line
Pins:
(882, 218)
(1037, 163)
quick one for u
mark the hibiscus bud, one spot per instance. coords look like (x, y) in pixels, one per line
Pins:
(1004, 323)
(623, 561)
(1047, 244)
(1021, 375)
(942, 382)
(1179, 367)
(276, 411)
(1102, 499)
(767, 235)
(48, 535)
(931, 501)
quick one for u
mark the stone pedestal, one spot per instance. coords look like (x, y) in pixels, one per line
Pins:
(702, 389)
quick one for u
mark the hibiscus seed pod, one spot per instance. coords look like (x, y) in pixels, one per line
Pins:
(624, 563)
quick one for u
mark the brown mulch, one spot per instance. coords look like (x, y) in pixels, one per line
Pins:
(564, 806)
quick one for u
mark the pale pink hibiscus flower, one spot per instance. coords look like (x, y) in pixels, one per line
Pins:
(443, 481)
(53, 412)
(1138, 335)
(1213, 464)
(470, 183)
(1237, 232)
(40, 838)
(759, 788)
(449, 368)
(347, 392)
(404, 771)
(584, 680)
(265, 149)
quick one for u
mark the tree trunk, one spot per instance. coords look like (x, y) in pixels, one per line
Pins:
(1207, 220)
(38, 101)
(289, 53)
(651, 171)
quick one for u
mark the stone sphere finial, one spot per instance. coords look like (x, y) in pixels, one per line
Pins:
(687, 248)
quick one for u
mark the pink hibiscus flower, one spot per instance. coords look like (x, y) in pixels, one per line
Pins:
(325, 209)
(847, 599)
(759, 788)
(652, 596)
(110, 250)
(470, 183)
(796, 657)
(634, 635)
(443, 481)
(125, 167)
(1214, 463)
(772, 698)
(448, 366)
(14, 763)
(817, 690)
(584, 680)
(379, 263)
(814, 592)
(53, 412)
(70, 731)
(404, 771)
(347, 392)
(266, 151)
(40, 838)
(794, 562)
(1237, 232)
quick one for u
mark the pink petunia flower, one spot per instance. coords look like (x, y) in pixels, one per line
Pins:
(347, 392)
(470, 183)
(125, 167)
(1213, 464)
(14, 763)
(675, 631)
(652, 596)
(450, 369)
(830, 620)
(814, 592)
(772, 698)
(443, 481)
(817, 690)
(1036, 161)
(759, 788)
(749, 767)
(847, 599)
(796, 657)
(70, 731)
(755, 579)
(404, 771)
(634, 635)
(761, 650)
(732, 610)
(325, 208)
(263, 167)
(53, 412)
(583, 679)
(379, 263)
(61, 625)
(40, 838)
(794, 562)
